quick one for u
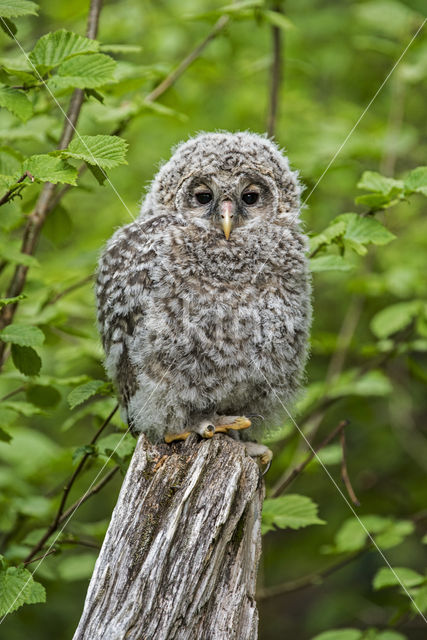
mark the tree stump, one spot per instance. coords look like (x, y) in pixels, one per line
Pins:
(180, 557)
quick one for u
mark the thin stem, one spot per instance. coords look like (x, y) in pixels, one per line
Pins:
(310, 580)
(276, 76)
(344, 472)
(188, 60)
(70, 289)
(13, 393)
(59, 517)
(89, 494)
(286, 480)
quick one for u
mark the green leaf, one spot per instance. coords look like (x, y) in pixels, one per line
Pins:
(373, 181)
(329, 263)
(389, 635)
(420, 597)
(340, 634)
(416, 181)
(26, 360)
(4, 436)
(278, 20)
(43, 396)
(333, 231)
(376, 201)
(80, 452)
(11, 253)
(120, 446)
(16, 102)
(85, 391)
(17, 8)
(387, 577)
(387, 533)
(56, 47)
(9, 27)
(85, 71)
(395, 318)
(17, 587)
(365, 229)
(105, 151)
(46, 168)
(373, 383)
(293, 511)
(23, 335)
(6, 301)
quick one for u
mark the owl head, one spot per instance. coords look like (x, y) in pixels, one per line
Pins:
(226, 181)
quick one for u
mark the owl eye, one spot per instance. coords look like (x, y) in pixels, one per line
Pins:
(203, 197)
(250, 197)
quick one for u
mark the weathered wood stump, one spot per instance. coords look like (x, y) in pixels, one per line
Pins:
(180, 557)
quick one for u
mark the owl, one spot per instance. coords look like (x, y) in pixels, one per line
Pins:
(204, 301)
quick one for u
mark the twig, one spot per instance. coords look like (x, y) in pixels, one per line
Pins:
(285, 481)
(310, 580)
(13, 393)
(276, 76)
(188, 60)
(344, 472)
(345, 336)
(42, 557)
(60, 512)
(38, 216)
(70, 289)
(12, 191)
(89, 494)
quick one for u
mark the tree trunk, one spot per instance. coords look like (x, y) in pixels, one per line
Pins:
(179, 560)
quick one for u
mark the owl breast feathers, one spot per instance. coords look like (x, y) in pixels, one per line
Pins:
(204, 300)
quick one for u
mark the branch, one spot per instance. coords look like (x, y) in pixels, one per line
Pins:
(276, 76)
(344, 472)
(312, 579)
(38, 216)
(284, 482)
(183, 66)
(59, 517)
(70, 289)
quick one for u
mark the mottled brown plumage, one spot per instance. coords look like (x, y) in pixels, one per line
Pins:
(195, 325)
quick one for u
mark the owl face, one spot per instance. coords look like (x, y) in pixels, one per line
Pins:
(241, 176)
(225, 200)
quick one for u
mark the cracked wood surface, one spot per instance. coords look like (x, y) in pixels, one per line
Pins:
(180, 557)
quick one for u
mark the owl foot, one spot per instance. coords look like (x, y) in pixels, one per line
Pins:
(263, 454)
(207, 428)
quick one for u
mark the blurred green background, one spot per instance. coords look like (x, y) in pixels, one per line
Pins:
(336, 55)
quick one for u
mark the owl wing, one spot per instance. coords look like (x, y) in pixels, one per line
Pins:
(123, 286)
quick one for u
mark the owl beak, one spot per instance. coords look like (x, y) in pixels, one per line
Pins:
(227, 213)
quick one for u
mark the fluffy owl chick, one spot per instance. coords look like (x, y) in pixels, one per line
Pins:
(204, 301)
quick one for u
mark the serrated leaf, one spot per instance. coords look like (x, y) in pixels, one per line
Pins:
(339, 634)
(26, 360)
(17, 587)
(352, 535)
(85, 391)
(99, 175)
(277, 19)
(85, 72)
(420, 597)
(293, 511)
(387, 577)
(23, 335)
(47, 168)
(16, 102)
(373, 181)
(416, 181)
(365, 230)
(120, 446)
(43, 396)
(56, 47)
(329, 263)
(105, 151)
(389, 635)
(395, 318)
(17, 8)
(6, 301)
(80, 452)
(376, 201)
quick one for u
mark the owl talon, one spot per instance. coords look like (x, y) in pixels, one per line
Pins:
(225, 423)
(263, 454)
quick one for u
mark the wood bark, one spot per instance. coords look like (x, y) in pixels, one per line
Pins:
(179, 560)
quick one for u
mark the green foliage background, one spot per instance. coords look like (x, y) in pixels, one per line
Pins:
(319, 569)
